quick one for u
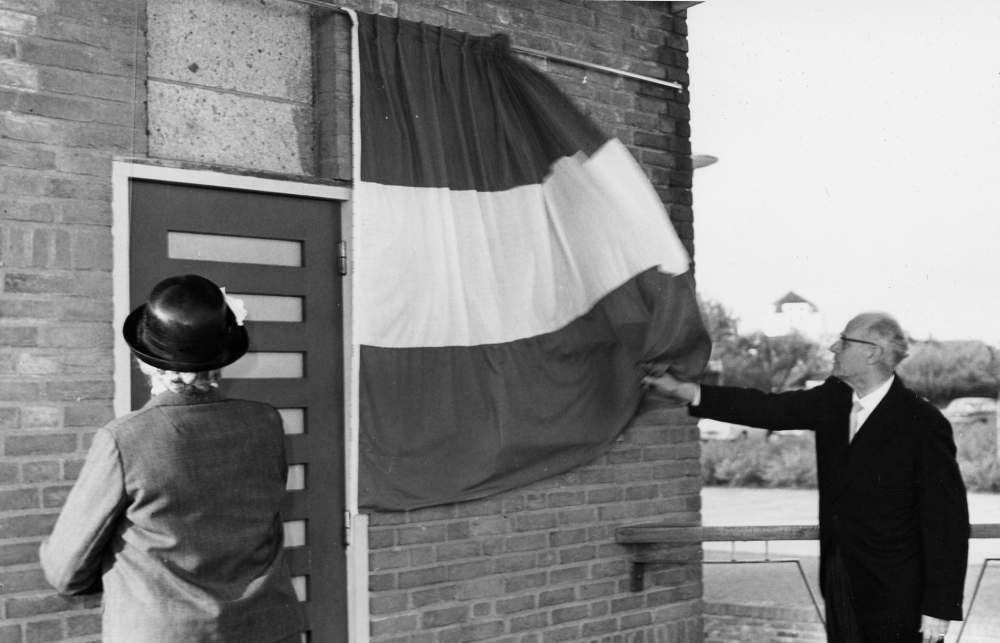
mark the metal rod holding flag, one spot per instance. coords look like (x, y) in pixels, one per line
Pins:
(539, 53)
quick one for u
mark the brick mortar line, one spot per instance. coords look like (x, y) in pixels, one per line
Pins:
(75, 94)
(27, 224)
(128, 31)
(55, 174)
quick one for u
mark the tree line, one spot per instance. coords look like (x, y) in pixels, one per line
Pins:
(938, 370)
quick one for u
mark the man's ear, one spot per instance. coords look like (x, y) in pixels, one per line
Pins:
(875, 357)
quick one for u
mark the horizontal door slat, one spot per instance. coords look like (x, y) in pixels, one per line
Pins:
(280, 393)
(244, 277)
(277, 336)
(295, 506)
(298, 449)
(230, 219)
(298, 560)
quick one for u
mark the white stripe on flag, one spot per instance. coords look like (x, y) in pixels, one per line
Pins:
(437, 267)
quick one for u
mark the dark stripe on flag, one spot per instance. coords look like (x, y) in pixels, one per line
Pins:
(441, 108)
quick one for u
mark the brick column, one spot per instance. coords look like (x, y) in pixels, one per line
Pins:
(69, 102)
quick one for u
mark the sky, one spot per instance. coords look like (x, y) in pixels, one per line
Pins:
(859, 159)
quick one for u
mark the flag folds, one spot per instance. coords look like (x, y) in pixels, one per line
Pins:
(515, 273)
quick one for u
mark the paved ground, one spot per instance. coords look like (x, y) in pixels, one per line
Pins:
(780, 584)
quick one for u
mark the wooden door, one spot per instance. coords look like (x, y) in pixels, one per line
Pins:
(280, 255)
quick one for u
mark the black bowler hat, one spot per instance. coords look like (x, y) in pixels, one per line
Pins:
(186, 326)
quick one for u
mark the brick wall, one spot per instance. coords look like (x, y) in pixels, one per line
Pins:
(68, 103)
(536, 565)
(539, 564)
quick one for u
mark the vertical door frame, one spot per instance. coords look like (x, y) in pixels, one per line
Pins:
(122, 173)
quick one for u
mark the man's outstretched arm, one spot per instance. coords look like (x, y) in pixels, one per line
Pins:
(773, 411)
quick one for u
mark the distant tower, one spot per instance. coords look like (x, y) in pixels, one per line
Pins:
(792, 313)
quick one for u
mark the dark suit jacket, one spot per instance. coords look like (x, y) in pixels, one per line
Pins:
(177, 510)
(892, 501)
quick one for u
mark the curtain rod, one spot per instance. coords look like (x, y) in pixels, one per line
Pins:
(583, 63)
(539, 54)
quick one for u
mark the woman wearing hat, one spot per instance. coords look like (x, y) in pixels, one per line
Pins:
(175, 513)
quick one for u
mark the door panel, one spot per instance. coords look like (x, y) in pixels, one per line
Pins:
(281, 251)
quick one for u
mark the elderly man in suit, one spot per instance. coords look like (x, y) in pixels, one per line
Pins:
(175, 515)
(893, 516)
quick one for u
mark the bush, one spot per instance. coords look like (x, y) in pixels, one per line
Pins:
(786, 461)
(790, 461)
(977, 454)
(793, 467)
(943, 370)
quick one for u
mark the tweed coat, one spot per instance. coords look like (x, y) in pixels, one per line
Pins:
(176, 516)
(891, 501)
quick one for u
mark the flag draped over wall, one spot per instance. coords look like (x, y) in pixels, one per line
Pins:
(515, 273)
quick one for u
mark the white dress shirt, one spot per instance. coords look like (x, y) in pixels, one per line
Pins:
(869, 402)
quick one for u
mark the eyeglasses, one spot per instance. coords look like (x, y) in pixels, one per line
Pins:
(844, 340)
